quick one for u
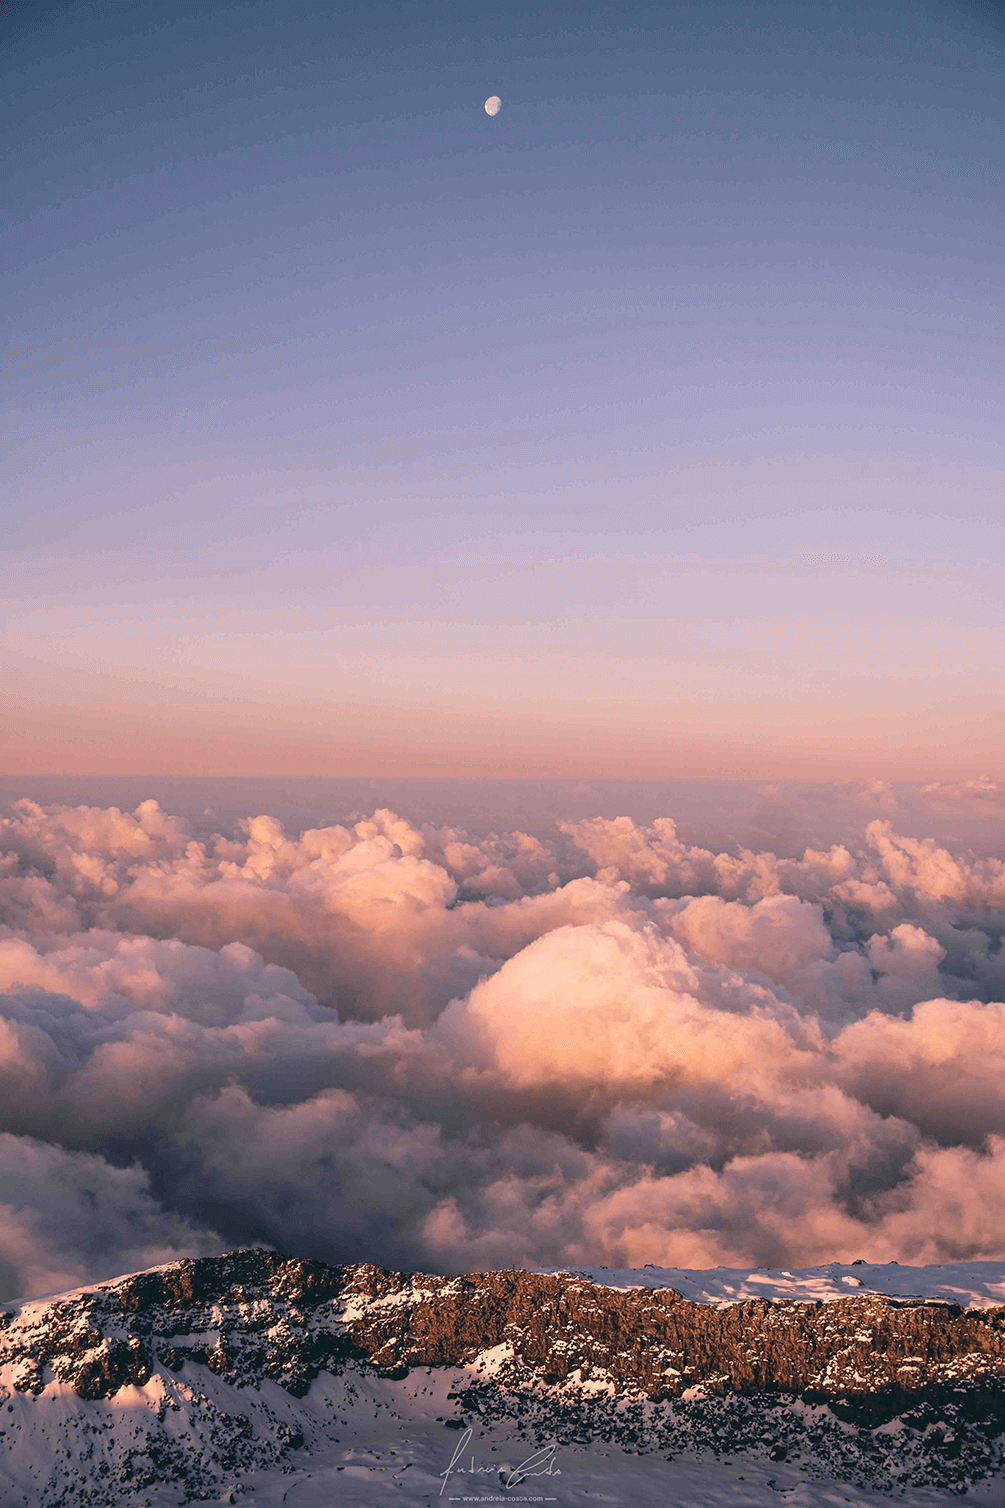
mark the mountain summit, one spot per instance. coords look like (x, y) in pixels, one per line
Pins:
(242, 1377)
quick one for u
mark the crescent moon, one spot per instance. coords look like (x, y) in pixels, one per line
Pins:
(493, 105)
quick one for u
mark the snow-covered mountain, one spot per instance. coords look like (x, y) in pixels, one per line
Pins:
(262, 1379)
(972, 1285)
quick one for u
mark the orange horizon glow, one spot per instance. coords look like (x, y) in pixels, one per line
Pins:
(530, 740)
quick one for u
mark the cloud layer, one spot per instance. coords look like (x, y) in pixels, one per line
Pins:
(427, 1048)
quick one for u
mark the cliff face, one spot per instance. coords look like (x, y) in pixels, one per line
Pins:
(873, 1389)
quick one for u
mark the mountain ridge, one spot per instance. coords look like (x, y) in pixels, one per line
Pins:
(180, 1378)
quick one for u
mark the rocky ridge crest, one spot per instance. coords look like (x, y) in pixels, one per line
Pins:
(883, 1391)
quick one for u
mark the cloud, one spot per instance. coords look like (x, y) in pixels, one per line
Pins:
(428, 1047)
(615, 1005)
(981, 792)
(69, 1217)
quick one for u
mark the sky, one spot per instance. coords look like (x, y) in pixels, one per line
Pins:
(650, 428)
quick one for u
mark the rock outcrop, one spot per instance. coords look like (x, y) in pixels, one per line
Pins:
(879, 1390)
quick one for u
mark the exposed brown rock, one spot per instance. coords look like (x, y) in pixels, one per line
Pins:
(573, 1361)
(884, 1351)
(653, 1342)
(104, 1370)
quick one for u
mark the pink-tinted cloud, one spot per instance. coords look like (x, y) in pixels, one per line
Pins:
(427, 1047)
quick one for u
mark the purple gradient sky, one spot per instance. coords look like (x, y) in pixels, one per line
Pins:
(653, 427)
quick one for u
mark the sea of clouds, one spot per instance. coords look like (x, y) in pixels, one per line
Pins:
(406, 1043)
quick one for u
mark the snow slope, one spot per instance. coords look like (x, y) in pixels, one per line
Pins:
(382, 1442)
(972, 1285)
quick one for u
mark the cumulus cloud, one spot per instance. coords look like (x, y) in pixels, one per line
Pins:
(979, 792)
(427, 1047)
(67, 1217)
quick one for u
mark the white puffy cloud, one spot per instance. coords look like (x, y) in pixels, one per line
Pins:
(70, 1218)
(779, 936)
(978, 793)
(424, 1046)
(617, 1006)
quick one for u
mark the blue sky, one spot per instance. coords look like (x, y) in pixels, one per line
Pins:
(667, 401)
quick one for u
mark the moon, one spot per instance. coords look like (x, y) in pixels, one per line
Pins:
(493, 105)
